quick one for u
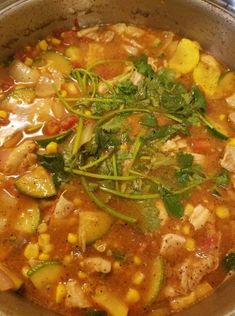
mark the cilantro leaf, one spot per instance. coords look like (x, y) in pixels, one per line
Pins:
(199, 100)
(149, 221)
(228, 262)
(55, 164)
(148, 120)
(173, 205)
(127, 88)
(106, 139)
(142, 66)
(222, 179)
(165, 132)
(185, 160)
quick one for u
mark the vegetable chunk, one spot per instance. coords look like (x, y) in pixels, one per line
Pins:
(186, 56)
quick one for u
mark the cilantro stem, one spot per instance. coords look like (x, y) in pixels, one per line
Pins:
(77, 139)
(141, 175)
(131, 196)
(93, 99)
(115, 170)
(110, 115)
(99, 176)
(105, 207)
(95, 162)
(193, 185)
(77, 112)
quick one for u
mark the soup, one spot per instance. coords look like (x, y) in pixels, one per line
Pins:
(117, 164)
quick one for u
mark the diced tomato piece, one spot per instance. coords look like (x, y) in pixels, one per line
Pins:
(70, 38)
(6, 82)
(21, 55)
(207, 242)
(201, 145)
(68, 122)
(52, 127)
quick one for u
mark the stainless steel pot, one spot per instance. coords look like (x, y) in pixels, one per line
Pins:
(28, 20)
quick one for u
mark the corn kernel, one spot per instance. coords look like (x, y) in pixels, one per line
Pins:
(202, 290)
(88, 113)
(42, 228)
(72, 238)
(43, 45)
(138, 278)
(60, 293)
(63, 93)
(82, 275)
(3, 114)
(71, 88)
(190, 244)
(188, 209)
(137, 260)
(231, 141)
(28, 61)
(62, 34)
(116, 265)
(186, 229)
(24, 271)
(222, 117)
(52, 148)
(31, 251)
(44, 256)
(222, 211)
(132, 296)
(43, 239)
(67, 260)
(124, 146)
(55, 41)
(77, 202)
(48, 248)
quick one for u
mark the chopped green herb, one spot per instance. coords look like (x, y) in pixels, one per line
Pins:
(229, 262)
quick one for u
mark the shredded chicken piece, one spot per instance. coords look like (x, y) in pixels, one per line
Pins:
(170, 243)
(76, 296)
(63, 207)
(199, 217)
(175, 144)
(163, 216)
(228, 161)
(136, 78)
(97, 264)
(19, 158)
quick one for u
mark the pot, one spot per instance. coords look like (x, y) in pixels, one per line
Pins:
(26, 21)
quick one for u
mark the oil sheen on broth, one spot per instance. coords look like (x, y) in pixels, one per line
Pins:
(117, 164)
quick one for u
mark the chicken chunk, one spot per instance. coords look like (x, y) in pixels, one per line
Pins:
(228, 161)
(199, 217)
(63, 207)
(97, 264)
(19, 158)
(76, 296)
(170, 243)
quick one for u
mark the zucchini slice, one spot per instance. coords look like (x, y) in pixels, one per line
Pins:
(74, 53)
(92, 226)
(36, 183)
(45, 274)
(28, 220)
(110, 302)
(155, 280)
(58, 62)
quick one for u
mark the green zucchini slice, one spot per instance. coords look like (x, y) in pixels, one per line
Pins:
(36, 183)
(45, 274)
(155, 280)
(92, 226)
